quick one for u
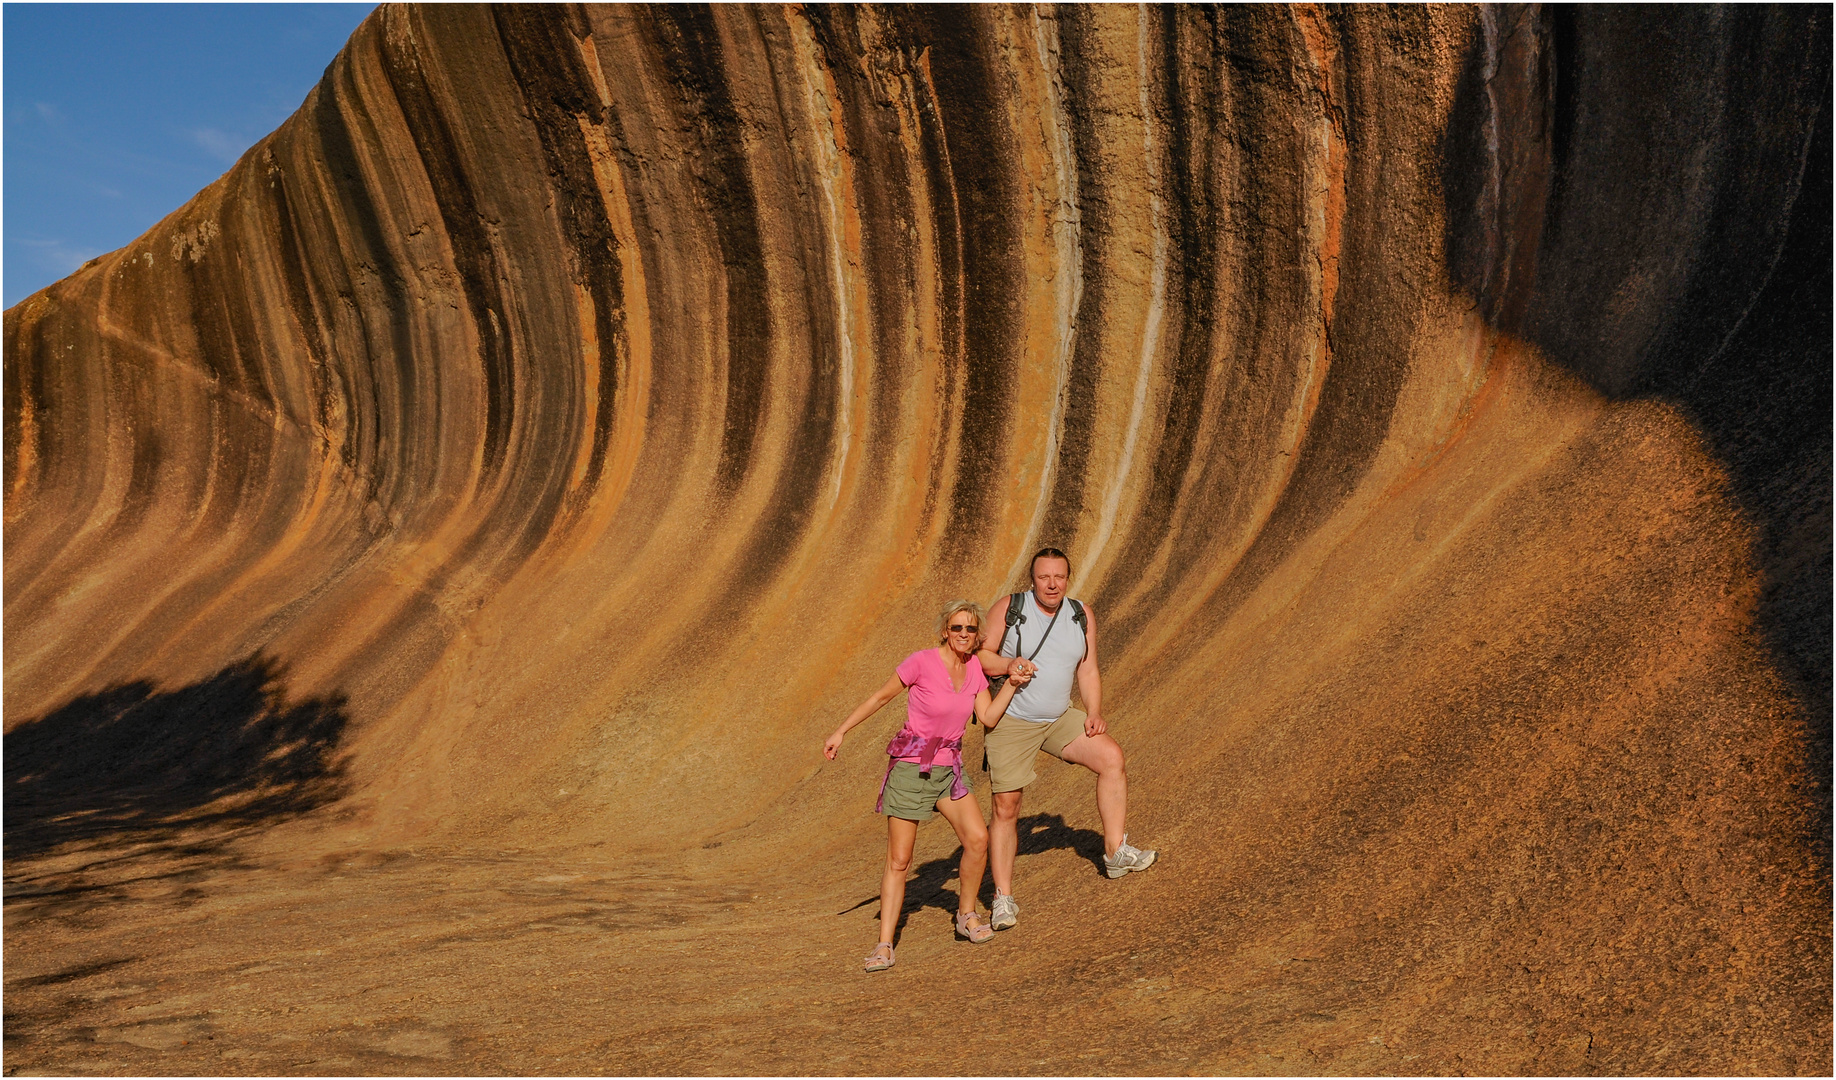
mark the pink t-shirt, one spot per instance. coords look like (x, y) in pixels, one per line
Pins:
(933, 708)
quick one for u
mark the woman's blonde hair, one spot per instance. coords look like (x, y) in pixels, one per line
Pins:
(949, 611)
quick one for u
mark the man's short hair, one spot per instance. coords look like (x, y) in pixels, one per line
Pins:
(1049, 553)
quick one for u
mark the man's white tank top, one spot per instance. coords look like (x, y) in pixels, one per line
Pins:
(1049, 694)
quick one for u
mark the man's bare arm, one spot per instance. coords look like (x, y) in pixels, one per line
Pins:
(1089, 681)
(994, 628)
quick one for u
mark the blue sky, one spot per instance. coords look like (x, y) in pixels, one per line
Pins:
(116, 114)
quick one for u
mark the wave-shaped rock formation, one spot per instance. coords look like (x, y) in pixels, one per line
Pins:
(593, 403)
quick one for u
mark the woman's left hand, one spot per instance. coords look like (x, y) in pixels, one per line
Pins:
(832, 745)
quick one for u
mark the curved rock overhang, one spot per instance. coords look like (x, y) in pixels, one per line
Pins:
(1434, 400)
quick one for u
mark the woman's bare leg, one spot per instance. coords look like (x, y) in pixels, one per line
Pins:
(900, 836)
(966, 818)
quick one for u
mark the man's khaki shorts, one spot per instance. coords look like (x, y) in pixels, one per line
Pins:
(1014, 743)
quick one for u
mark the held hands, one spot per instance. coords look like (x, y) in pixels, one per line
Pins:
(1021, 671)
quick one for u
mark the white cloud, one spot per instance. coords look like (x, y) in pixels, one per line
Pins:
(57, 256)
(221, 144)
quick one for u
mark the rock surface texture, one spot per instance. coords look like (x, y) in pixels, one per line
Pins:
(435, 554)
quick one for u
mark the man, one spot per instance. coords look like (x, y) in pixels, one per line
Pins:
(1056, 642)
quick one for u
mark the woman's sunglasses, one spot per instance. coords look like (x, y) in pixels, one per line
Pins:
(963, 628)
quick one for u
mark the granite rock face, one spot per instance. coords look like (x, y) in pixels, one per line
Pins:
(1434, 402)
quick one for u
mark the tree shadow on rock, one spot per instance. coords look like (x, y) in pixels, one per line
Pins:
(133, 764)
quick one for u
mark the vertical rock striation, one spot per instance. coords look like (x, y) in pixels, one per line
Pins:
(1433, 401)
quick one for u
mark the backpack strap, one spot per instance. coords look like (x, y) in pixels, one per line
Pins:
(1019, 647)
(1015, 616)
(1077, 616)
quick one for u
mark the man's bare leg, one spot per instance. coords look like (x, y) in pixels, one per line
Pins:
(1101, 755)
(1004, 839)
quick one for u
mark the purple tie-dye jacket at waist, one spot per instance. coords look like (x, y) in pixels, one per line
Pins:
(929, 750)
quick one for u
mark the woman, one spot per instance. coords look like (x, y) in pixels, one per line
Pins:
(926, 766)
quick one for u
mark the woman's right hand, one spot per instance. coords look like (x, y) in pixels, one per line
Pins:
(832, 745)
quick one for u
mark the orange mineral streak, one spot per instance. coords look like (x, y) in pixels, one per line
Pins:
(936, 439)
(1324, 164)
(634, 347)
(589, 388)
(931, 456)
(1322, 58)
(1453, 682)
(22, 462)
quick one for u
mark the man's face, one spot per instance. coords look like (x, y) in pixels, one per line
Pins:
(1051, 575)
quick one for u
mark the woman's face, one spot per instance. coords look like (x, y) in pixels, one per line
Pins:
(961, 631)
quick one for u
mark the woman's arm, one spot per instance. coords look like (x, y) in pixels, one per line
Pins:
(990, 710)
(861, 712)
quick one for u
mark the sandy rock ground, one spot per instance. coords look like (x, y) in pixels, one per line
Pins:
(193, 956)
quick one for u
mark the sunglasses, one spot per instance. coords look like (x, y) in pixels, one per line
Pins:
(963, 628)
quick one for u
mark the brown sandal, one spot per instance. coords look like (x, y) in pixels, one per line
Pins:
(880, 958)
(973, 926)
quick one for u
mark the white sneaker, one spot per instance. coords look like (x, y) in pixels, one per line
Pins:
(1127, 857)
(1004, 911)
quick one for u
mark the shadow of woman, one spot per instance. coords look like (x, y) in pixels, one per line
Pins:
(929, 885)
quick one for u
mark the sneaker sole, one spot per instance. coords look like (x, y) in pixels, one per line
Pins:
(1009, 925)
(1114, 872)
